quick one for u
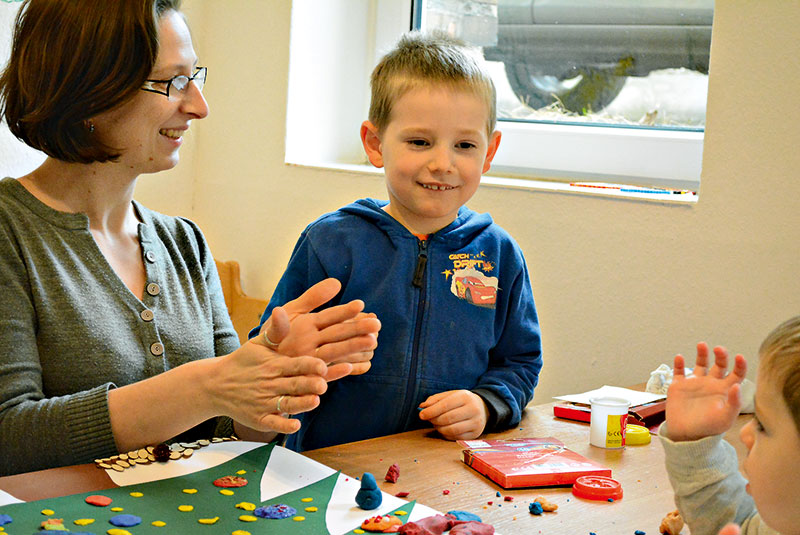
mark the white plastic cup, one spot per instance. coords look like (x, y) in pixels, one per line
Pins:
(609, 418)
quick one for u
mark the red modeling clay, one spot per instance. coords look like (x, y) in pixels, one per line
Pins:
(98, 500)
(402, 494)
(472, 528)
(392, 474)
(597, 488)
(431, 525)
(230, 482)
(508, 498)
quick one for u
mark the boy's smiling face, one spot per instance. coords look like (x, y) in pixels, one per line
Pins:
(434, 150)
(773, 458)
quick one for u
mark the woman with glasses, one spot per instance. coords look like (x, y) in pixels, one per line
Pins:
(110, 313)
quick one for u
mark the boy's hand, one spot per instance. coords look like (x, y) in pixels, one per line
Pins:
(730, 529)
(456, 414)
(708, 403)
(343, 336)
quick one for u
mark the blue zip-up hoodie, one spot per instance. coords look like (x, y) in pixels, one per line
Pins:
(456, 311)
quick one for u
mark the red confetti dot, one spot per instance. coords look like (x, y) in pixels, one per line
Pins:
(445, 491)
(490, 503)
(98, 500)
(508, 498)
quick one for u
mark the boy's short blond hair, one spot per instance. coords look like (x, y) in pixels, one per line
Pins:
(780, 359)
(421, 59)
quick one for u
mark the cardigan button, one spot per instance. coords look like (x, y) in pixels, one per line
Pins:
(157, 349)
(153, 289)
(150, 256)
(147, 315)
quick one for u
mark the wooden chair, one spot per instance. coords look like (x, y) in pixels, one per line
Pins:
(245, 311)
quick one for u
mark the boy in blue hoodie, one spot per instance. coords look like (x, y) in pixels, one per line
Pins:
(460, 345)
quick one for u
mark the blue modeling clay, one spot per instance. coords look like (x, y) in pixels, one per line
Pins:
(125, 521)
(275, 512)
(465, 516)
(535, 508)
(5, 519)
(369, 495)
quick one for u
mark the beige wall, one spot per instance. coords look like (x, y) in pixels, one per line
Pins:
(621, 286)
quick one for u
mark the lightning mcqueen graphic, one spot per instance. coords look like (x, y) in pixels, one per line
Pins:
(475, 291)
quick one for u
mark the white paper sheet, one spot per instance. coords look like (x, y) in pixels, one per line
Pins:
(7, 499)
(633, 396)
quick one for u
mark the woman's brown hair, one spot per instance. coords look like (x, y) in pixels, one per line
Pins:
(71, 60)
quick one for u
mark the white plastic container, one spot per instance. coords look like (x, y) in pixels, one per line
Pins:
(609, 417)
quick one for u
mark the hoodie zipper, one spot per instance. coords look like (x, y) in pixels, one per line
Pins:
(420, 273)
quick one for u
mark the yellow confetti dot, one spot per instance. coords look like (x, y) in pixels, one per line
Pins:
(190, 491)
(137, 494)
(158, 523)
(116, 531)
(83, 521)
(248, 518)
(185, 508)
(307, 499)
(311, 509)
(247, 506)
(240, 532)
(117, 509)
(298, 518)
(400, 513)
(48, 512)
(358, 531)
(241, 472)
(208, 520)
(226, 492)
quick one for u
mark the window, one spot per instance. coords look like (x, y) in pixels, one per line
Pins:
(592, 89)
(335, 44)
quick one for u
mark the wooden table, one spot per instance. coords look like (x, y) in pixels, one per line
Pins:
(430, 465)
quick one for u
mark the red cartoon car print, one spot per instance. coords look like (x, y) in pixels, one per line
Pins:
(474, 291)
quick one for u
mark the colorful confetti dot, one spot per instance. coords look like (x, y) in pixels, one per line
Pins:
(185, 508)
(158, 523)
(48, 512)
(400, 513)
(248, 518)
(208, 521)
(83, 521)
(311, 509)
(241, 472)
(190, 491)
(117, 509)
(226, 492)
(298, 518)
(306, 499)
(137, 494)
(117, 531)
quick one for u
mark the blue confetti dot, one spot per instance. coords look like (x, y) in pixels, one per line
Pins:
(611, 500)
(639, 532)
(125, 521)
(498, 494)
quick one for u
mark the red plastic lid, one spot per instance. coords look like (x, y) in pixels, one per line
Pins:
(597, 488)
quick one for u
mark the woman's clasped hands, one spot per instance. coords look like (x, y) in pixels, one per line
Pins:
(283, 373)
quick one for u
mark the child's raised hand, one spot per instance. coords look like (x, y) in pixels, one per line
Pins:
(708, 403)
(456, 414)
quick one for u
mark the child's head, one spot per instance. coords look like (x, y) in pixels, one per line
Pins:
(773, 436)
(425, 60)
(431, 126)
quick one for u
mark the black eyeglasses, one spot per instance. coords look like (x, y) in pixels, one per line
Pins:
(179, 83)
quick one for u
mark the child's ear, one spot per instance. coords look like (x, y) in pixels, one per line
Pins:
(372, 143)
(494, 143)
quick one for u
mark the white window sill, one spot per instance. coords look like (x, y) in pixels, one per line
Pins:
(585, 188)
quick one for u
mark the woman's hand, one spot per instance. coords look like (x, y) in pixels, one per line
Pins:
(343, 336)
(456, 414)
(259, 388)
(708, 403)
